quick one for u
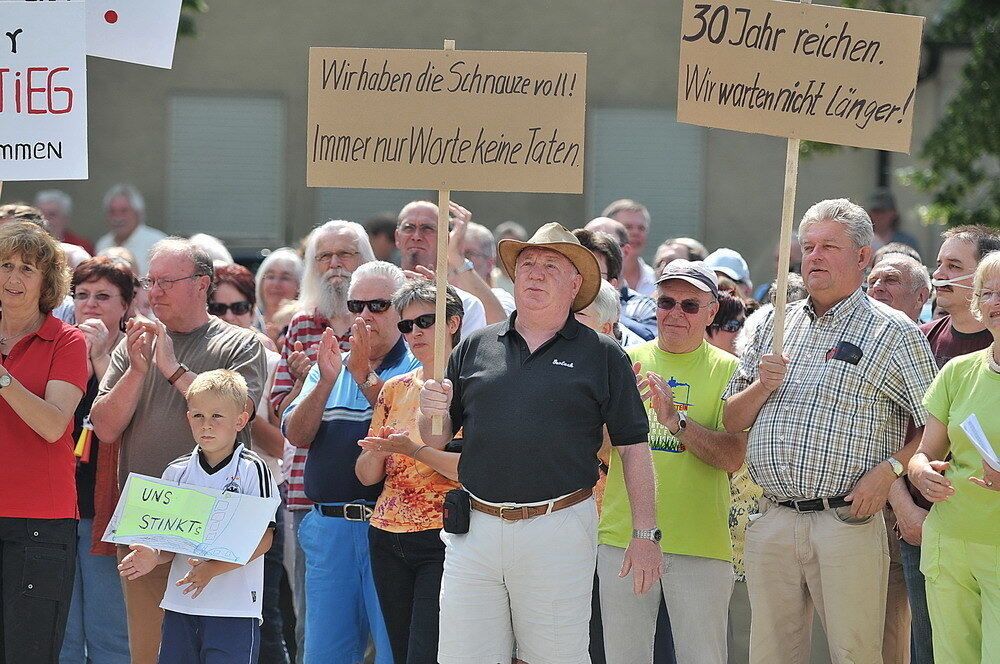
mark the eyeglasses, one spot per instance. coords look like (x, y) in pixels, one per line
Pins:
(342, 256)
(100, 297)
(374, 306)
(238, 308)
(987, 295)
(731, 326)
(146, 283)
(413, 229)
(423, 322)
(687, 306)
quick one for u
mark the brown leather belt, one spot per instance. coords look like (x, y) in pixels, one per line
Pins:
(518, 512)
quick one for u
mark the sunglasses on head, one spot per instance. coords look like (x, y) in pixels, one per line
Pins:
(238, 308)
(374, 306)
(687, 306)
(732, 326)
(423, 322)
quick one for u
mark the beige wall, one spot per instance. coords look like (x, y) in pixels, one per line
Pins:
(258, 47)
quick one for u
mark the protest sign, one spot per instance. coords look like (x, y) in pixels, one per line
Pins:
(797, 70)
(136, 31)
(465, 120)
(193, 520)
(43, 91)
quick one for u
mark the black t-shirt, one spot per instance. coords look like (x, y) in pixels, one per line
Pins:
(86, 473)
(947, 342)
(532, 422)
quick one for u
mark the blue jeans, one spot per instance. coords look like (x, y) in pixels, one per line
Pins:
(189, 639)
(340, 592)
(921, 650)
(96, 631)
(299, 587)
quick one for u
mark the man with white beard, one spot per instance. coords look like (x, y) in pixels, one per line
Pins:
(333, 252)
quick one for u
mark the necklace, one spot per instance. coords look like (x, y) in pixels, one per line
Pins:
(18, 335)
(994, 365)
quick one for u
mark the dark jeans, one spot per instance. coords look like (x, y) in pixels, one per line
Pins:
(407, 568)
(38, 562)
(272, 630)
(921, 650)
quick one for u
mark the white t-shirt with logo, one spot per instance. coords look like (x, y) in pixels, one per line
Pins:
(237, 593)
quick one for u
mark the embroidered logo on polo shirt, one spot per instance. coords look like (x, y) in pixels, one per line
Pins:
(562, 364)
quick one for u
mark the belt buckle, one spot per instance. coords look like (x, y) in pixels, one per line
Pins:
(362, 516)
(511, 508)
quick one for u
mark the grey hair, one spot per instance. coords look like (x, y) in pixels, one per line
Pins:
(282, 255)
(214, 247)
(130, 193)
(857, 222)
(200, 258)
(60, 198)
(795, 289)
(380, 269)
(422, 291)
(482, 237)
(513, 228)
(915, 270)
(607, 304)
(312, 286)
(989, 266)
(626, 204)
(696, 250)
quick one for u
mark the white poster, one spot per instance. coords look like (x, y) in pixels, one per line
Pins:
(139, 31)
(43, 91)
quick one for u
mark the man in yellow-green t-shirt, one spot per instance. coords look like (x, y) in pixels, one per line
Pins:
(692, 456)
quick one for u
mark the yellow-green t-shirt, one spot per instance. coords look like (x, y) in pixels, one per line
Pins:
(692, 502)
(967, 385)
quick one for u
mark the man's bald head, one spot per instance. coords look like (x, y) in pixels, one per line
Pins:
(613, 228)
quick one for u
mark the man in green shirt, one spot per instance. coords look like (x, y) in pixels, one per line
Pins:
(683, 378)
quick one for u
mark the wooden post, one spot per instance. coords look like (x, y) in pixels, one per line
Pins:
(441, 283)
(785, 243)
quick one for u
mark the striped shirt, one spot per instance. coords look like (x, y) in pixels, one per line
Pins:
(857, 375)
(307, 328)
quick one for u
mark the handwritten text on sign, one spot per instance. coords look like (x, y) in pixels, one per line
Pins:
(461, 120)
(803, 71)
(43, 91)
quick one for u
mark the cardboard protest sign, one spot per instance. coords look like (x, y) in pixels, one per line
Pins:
(447, 120)
(139, 31)
(803, 71)
(43, 91)
(188, 519)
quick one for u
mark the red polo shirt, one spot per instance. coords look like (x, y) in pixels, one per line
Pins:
(38, 477)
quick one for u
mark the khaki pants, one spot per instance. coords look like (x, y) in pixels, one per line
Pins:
(797, 561)
(896, 638)
(145, 617)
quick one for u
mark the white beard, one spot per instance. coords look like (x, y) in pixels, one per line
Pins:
(333, 298)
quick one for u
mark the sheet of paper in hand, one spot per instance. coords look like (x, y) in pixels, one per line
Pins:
(974, 430)
(193, 520)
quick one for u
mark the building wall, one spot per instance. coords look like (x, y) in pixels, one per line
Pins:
(259, 48)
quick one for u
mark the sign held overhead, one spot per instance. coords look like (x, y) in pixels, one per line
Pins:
(803, 71)
(455, 120)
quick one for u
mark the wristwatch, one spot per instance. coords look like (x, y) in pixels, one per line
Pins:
(5, 380)
(653, 534)
(897, 467)
(464, 267)
(682, 424)
(370, 381)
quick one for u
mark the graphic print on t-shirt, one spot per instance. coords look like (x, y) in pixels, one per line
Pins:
(660, 438)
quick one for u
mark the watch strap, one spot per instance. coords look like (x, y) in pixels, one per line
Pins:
(181, 370)
(371, 380)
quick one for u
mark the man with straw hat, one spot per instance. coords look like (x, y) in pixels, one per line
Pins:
(532, 395)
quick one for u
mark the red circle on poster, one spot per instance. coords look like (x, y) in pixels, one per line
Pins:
(111, 16)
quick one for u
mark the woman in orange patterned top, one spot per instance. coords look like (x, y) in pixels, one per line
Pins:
(407, 553)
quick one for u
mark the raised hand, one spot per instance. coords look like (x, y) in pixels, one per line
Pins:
(299, 363)
(435, 398)
(328, 356)
(140, 345)
(359, 361)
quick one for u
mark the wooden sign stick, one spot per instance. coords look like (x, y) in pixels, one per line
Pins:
(441, 284)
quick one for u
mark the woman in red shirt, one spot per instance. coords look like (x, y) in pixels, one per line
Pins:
(43, 374)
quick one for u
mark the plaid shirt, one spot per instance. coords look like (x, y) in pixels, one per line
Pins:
(833, 419)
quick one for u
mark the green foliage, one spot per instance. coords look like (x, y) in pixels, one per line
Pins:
(187, 27)
(960, 160)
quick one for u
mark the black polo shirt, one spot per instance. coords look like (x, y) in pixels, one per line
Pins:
(532, 422)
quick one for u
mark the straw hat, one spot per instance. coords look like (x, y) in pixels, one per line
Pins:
(554, 236)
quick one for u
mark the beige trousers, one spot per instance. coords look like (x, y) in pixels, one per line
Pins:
(796, 562)
(145, 617)
(896, 637)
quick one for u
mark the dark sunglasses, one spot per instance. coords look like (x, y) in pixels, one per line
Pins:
(423, 322)
(687, 306)
(374, 306)
(238, 308)
(731, 326)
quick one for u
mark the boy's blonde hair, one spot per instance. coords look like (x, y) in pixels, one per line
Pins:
(222, 382)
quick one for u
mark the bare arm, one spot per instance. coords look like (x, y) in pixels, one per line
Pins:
(303, 422)
(445, 463)
(643, 558)
(719, 449)
(926, 467)
(49, 416)
(741, 410)
(112, 412)
(370, 467)
(268, 437)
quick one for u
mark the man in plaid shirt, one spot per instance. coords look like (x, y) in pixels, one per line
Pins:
(828, 421)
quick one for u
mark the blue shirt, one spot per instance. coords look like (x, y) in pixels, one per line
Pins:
(329, 473)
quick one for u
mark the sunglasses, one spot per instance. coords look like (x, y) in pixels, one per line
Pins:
(423, 322)
(238, 308)
(687, 306)
(374, 306)
(731, 326)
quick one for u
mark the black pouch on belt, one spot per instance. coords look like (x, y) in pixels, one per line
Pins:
(457, 505)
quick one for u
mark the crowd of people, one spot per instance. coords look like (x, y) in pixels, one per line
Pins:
(618, 467)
